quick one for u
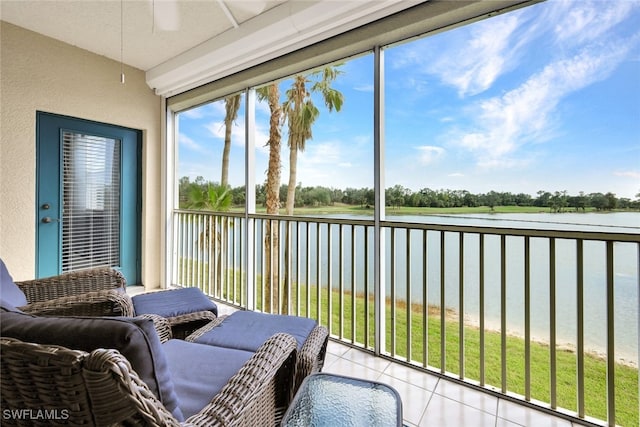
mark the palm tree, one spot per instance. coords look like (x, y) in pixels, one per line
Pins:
(300, 114)
(271, 94)
(211, 198)
(231, 106)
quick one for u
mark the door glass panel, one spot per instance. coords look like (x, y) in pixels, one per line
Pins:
(91, 201)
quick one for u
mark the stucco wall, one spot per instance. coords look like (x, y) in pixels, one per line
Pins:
(38, 73)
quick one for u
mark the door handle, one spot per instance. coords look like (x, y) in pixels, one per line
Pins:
(47, 220)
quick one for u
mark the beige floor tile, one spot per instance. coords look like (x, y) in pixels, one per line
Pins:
(336, 348)
(501, 422)
(412, 376)
(350, 369)
(444, 412)
(357, 356)
(468, 396)
(525, 416)
(329, 358)
(414, 399)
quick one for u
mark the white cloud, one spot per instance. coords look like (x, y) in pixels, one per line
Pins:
(326, 153)
(585, 21)
(476, 56)
(331, 163)
(194, 113)
(502, 163)
(195, 169)
(503, 124)
(262, 107)
(364, 88)
(217, 129)
(362, 140)
(629, 174)
(206, 110)
(474, 65)
(428, 154)
(261, 139)
(185, 142)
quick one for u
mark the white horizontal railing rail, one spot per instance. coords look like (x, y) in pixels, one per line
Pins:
(548, 317)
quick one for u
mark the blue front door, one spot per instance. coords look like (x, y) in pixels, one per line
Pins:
(88, 196)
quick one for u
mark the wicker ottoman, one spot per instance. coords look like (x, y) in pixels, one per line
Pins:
(186, 309)
(247, 330)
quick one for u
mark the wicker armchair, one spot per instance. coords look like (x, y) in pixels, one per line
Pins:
(92, 292)
(102, 292)
(100, 388)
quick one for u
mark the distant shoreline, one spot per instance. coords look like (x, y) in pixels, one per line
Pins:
(393, 211)
(452, 315)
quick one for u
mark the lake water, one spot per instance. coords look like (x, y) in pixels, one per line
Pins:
(626, 279)
(626, 274)
(626, 271)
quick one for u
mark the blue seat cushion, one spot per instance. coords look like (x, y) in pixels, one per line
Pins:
(199, 371)
(172, 303)
(135, 338)
(9, 291)
(248, 330)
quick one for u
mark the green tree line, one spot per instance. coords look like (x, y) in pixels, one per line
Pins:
(398, 196)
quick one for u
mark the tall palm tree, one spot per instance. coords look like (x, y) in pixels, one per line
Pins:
(300, 114)
(271, 94)
(231, 106)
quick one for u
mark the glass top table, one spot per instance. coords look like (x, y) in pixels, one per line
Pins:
(335, 400)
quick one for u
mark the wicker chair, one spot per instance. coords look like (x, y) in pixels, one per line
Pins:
(101, 292)
(49, 384)
(92, 292)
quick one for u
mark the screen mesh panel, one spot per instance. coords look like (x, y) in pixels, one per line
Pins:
(91, 201)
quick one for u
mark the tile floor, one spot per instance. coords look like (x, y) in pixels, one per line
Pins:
(428, 400)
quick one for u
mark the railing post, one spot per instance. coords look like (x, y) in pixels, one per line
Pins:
(580, 326)
(552, 324)
(611, 346)
(250, 199)
(378, 241)
(527, 318)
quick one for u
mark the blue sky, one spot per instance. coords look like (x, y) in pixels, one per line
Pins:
(543, 98)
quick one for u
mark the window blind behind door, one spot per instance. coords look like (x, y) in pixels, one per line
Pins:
(91, 201)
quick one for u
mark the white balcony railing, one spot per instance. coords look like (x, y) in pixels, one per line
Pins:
(546, 317)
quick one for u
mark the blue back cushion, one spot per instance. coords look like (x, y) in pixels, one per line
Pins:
(135, 338)
(9, 291)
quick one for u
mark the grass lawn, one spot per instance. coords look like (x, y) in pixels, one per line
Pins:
(626, 384)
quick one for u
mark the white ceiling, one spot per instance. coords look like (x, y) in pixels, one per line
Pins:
(153, 31)
(183, 43)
